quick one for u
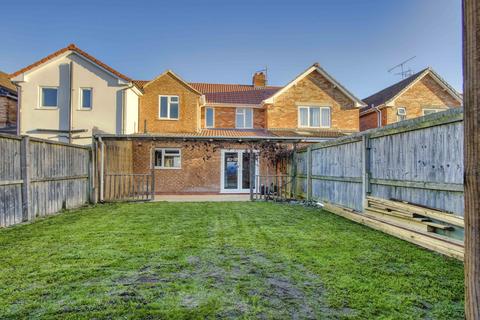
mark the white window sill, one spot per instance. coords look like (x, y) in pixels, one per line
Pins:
(168, 119)
(46, 108)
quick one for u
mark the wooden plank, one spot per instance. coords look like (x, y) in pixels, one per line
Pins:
(432, 242)
(430, 213)
(453, 187)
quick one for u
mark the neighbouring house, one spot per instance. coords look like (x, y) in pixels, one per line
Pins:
(420, 94)
(70, 96)
(197, 137)
(8, 105)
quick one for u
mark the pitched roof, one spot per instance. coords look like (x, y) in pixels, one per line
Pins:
(221, 93)
(74, 48)
(6, 83)
(316, 67)
(390, 93)
(234, 93)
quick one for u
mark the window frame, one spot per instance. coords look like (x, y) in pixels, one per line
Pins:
(169, 98)
(40, 96)
(244, 114)
(398, 115)
(213, 117)
(163, 158)
(432, 109)
(320, 108)
(80, 98)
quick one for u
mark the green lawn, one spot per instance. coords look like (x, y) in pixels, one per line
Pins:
(219, 260)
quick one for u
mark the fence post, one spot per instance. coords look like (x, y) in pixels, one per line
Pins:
(252, 172)
(293, 191)
(25, 169)
(365, 170)
(309, 173)
(153, 173)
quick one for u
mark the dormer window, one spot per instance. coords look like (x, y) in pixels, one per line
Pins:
(168, 108)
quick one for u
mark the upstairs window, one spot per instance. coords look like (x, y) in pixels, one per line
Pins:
(244, 118)
(426, 111)
(49, 97)
(85, 98)
(401, 114)
(209, 118)
(166, 158)
(168, 108)
(314, 117)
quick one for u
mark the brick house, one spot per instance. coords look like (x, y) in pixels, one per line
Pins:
(420, 94)
(198, 136)
(8, 105)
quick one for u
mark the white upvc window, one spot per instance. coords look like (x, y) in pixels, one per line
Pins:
(167, 158)
(86, 98)
(209, 117)
(314, 117)
(429, 110)
(244, 118)
(48, 97)
(401, 114)
(168, 107)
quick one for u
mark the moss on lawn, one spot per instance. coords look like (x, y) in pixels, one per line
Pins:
(219, 260)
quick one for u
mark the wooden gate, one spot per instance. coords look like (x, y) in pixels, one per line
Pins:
(129, 187)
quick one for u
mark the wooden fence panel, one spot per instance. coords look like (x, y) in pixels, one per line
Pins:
(41, 178)
(419, 161)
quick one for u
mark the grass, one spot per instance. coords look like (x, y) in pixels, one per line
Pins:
(219, 260)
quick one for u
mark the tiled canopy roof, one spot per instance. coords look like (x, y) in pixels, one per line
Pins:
(228, 93)
(253, 133)
(74, 48)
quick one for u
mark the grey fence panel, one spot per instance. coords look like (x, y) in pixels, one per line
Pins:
(419, 161)
(40, 178)
(10, 181)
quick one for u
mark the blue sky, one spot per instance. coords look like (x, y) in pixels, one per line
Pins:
(356, 41)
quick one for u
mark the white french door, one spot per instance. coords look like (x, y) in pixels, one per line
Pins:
(235, 171)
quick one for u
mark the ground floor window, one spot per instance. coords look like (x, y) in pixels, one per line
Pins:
(167, 158)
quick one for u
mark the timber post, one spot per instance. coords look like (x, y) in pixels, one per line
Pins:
(365, 170)
(25, 171)
(309, 173)
(471, 75)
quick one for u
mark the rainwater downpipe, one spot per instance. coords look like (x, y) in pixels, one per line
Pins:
(379, 116)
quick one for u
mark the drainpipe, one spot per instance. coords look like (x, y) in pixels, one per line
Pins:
(379, 116)
(102, 160)
(70, 104)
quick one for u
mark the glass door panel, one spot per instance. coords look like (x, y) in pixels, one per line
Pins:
(231, 170)
(246, 170)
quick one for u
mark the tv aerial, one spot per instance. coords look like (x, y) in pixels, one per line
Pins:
(404, 71)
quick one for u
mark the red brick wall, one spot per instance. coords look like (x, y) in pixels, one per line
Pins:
(313, 90)
(370, 120)
(200, 165)
(189, 116)
(225, 117)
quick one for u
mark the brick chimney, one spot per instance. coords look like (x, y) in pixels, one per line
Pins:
(259, 79)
